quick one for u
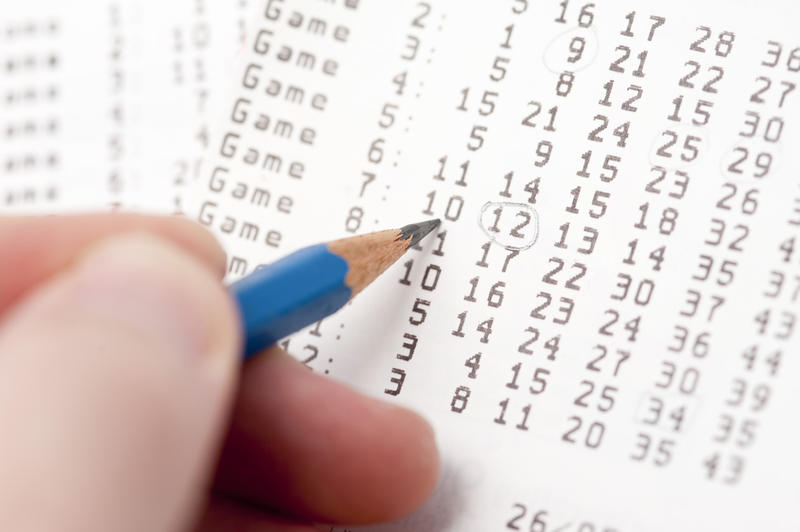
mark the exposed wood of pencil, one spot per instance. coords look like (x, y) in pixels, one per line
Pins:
(369, 255)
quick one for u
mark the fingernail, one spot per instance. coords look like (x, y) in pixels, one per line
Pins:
(144, 284)
(428, 450)
(428, 445)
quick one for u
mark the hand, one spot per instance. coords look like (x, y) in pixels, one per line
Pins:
(119, 362)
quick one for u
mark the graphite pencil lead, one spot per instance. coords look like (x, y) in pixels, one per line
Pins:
(418, 231)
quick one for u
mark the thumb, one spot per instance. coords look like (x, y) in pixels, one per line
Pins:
(115, 380)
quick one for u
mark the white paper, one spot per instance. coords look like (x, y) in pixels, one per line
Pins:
(627, 379)
(107, 103)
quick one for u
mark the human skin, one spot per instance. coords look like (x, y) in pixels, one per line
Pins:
(124, 404)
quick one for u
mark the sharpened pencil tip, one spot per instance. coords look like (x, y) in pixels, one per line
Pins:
(418, 231)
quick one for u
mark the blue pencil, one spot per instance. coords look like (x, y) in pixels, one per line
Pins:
(314, 282)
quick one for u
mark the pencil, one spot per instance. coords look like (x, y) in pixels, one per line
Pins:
(312, 283)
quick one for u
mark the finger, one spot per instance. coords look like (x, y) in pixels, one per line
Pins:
(34, 248)
(228, 516)
(308, 446)
(115, 378)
